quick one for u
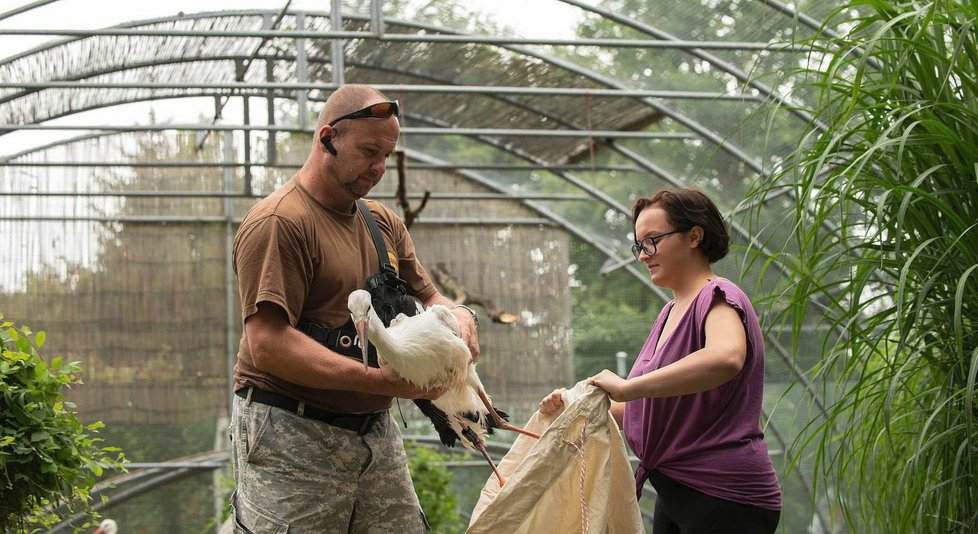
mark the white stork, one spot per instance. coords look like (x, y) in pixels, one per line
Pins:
(426, 350)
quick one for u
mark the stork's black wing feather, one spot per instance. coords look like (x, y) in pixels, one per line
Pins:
(491, 424)
(439, 420)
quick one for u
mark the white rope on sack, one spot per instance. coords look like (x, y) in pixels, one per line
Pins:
(578, 446)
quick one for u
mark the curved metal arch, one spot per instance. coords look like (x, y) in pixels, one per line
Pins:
(580, 233)
(700, 54)
(426, 158)
(21, 9)
(655, 32)
(649, 30)
(130, 66)
(55, 144)
(601, 196)
(133, 24)
(281, 93)
(570, 67)
(681, 118)
(794, 14)
(136, 23)
(104, 105)
(695, 126)
(573, 180)
(588, 189)
(678, 116)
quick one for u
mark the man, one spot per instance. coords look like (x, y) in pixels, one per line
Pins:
(313, 445)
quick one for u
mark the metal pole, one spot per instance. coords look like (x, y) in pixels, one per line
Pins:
(416, 130)
(247, 145)
(621, 358)
(415, 38)
(270, 85)
(301, 74)
(231, 314)
(28, 7)
(377, 17)
(336, 45)
(271, 150)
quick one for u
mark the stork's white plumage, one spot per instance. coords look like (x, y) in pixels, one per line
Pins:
(425, 349)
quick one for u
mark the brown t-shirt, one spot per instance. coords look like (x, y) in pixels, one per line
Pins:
(297, 253)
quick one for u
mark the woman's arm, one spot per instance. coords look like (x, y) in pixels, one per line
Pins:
(719, 361)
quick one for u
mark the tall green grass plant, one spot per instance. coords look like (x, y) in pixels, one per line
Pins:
(882, 258)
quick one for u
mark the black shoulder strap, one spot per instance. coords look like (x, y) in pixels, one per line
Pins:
(385, 263)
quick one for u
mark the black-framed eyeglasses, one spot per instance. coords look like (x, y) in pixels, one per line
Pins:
(380, 110)
(648, 245)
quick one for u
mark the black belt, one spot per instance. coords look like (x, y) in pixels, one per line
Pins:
(361, 423)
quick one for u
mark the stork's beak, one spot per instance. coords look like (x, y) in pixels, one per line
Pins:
(361, 327)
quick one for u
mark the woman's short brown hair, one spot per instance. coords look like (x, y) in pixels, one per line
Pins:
(685, 208)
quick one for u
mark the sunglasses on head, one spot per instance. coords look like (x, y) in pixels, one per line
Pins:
(380, 110)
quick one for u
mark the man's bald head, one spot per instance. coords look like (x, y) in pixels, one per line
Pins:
(347, 99)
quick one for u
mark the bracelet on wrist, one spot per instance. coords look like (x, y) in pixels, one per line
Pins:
(475, 318)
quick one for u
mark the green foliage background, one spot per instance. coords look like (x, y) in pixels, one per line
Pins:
(47, 457)
(432, 482)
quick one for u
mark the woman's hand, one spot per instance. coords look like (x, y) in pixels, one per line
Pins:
(552, 403)
(612, 383)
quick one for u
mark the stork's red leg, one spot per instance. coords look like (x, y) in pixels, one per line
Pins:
(500, 423)
(482, 448)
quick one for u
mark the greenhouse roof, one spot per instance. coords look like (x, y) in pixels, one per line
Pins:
(616, 103)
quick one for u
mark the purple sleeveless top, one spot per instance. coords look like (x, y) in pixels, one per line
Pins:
(712, 440)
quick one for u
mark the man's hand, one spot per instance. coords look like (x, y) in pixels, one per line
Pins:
(395, 386)
(615, 385)
(468, 332)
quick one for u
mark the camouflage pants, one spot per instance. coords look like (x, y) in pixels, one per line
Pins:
(298, 475)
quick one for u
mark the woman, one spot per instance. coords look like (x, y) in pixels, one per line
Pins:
(690, 407)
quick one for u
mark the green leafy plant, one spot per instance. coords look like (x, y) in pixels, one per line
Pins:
(47, 457)
(432, 482)
(882, 257)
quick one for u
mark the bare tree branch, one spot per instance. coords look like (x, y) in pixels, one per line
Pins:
(447, 284)
(454, 290)
(410, 214)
